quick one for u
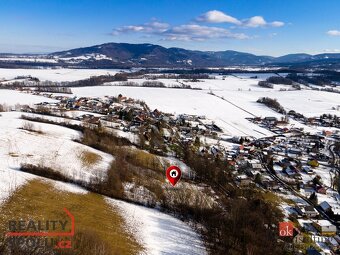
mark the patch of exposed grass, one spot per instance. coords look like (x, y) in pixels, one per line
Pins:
(99, 227)
(143, 159)
(289, 201)
(89, 158)
(271, 197)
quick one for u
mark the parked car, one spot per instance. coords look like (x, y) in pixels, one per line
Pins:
(307, 169)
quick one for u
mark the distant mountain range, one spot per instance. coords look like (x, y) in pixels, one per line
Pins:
(120, 55)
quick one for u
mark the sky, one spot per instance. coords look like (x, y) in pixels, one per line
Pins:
(262, 27)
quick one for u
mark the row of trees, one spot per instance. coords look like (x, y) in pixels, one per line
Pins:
(272, 103)
(92, 81)
(279, 80)
(268, 83)
(319, 80)
(265, 84)
(98, 80)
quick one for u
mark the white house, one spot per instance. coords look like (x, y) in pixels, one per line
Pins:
(325, 227)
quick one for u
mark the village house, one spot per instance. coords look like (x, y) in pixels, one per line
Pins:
(294, 152)
(325, 227)
(320, 189)
(243, 180)
(255, 165)
(270, 120)
(291, 172)
(325, 206)
(269, 183)
(306, 211)
(333, 208)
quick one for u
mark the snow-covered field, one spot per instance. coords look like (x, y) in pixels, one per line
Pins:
(234, 100)
(133, 138)
(228, 116)
(11, 98)
(160, 233)
(244, 92)
(53, 148)
(59, 74)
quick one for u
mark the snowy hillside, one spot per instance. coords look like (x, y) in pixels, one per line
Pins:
(157, 232)
(50, 146)
(11, 98)
(160, 233)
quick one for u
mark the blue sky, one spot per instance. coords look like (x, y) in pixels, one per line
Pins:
(264, 27)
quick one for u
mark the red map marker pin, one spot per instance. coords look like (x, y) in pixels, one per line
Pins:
(173, 173)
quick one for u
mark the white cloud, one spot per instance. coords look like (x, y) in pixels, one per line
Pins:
(277, 24)
(218, 17)
(196, 32)
(132, 28)
(259, 21)
(334, 32)
(193, 32)
(188, 32)
(221, 17)
(256, 21)
(151, 27)
(158, 26)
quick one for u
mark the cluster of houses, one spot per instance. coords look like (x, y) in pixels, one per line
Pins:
(192, 126)
(325, 120)
(300, 160)
(128, 115)
(303, 162)
(280, 126)
(275, 125)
